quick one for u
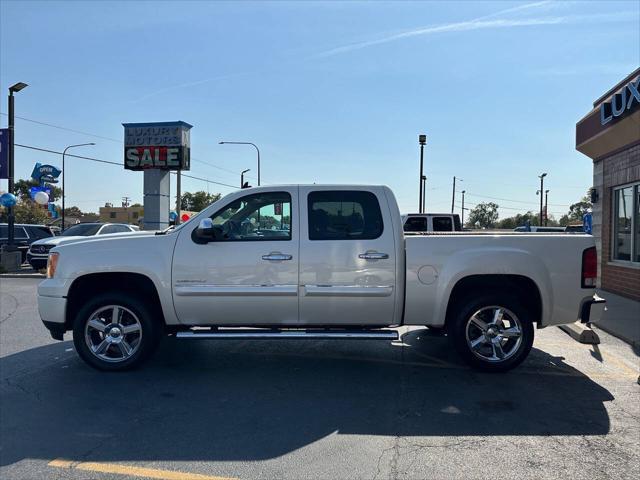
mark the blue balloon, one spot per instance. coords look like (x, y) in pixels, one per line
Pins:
(8, 199)
(173, 216)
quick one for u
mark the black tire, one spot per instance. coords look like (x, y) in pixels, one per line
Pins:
(134, 312)
(489, 341)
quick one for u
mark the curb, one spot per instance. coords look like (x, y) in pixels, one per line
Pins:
(581, 333)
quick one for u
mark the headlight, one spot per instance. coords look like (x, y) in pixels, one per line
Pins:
(52, 264)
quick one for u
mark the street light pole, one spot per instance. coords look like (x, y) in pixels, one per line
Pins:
(424, 194)
(546, 207)
(11, 130)
(64, 175)
(247, 143)
(242, 177)
(541, 177)
(422, 140)
(462, 217)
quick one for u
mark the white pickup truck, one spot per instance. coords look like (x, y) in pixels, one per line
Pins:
(316, 261)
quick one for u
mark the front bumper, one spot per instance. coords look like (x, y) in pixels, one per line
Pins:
(37, 261)
(591, 309)
(53, 314)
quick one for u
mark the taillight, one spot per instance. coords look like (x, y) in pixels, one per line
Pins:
(589, 267)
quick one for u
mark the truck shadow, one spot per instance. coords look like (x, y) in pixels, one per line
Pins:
(236, 400)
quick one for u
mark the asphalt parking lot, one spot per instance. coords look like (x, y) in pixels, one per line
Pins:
(322, 409)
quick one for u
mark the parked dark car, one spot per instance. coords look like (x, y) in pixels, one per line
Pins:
(24, 235)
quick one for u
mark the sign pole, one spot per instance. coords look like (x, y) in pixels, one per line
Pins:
(178, 196)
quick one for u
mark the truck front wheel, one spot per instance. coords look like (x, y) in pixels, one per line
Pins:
(492, 332)
(115, 331)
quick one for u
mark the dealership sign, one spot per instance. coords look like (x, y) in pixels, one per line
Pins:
(160, 145)
(45, 173)
(621, 103)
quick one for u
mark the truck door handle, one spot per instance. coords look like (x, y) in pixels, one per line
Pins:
(373, 256)
(275, 257)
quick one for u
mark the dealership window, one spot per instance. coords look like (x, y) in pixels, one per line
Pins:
(112, 214)
(626, 223)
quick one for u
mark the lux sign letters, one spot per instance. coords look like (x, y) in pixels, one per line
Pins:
(621, 103)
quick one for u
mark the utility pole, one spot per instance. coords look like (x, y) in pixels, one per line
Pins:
(422, 140)
(11, 130)
(541, 177)
(453, 193)
(424, 194)
(125, 205)
(462, 216)
(546, 207)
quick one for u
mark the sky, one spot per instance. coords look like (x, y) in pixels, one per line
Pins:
(331, 92)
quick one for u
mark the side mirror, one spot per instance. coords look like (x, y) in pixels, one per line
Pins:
(205, 232)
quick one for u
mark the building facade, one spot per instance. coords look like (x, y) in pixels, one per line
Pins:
(131, 215)
(610, 135)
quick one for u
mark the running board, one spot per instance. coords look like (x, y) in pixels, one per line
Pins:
(299, 334)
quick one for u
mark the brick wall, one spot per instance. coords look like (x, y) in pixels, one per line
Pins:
(617, 169)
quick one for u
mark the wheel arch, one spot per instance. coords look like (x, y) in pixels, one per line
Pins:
(524, 288)
(103, 282)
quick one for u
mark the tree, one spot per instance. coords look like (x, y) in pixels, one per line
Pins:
(577, 211)
(197, 201)
(22, 188)
(73, 212)
(517, 220)
(483, 215)
(30, 212)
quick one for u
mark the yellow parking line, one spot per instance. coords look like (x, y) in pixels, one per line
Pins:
(619, 363)
(133, 471)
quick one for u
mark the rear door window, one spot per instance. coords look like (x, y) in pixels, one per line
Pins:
(442, 224)
(344, 215)
(19, 233)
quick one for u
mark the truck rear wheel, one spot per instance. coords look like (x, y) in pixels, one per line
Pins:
(115, 331)
(492, 332)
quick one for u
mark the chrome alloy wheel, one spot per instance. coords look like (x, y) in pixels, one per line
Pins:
(494, 334)
(113, 333)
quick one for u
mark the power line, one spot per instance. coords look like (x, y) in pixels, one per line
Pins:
(508, 208)
(514, 201)
(38, 122)
(115, 163)
(68, 154)
(64, 128)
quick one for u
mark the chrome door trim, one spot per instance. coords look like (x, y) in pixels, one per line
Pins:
(203, 290)
(348, 291)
